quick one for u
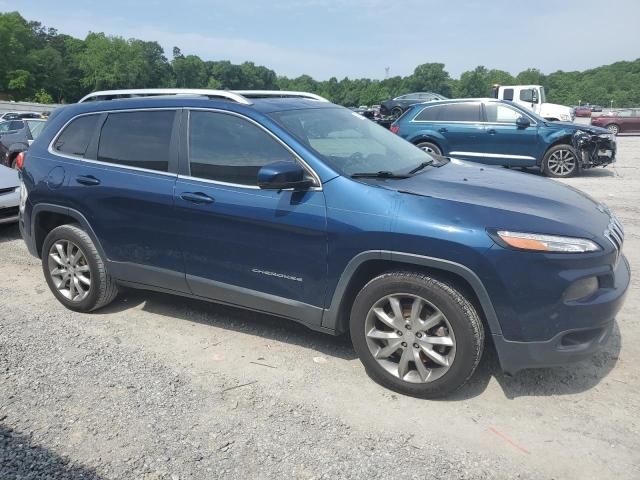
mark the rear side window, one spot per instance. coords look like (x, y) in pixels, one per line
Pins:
(508, 94)
(230, 149)
(75, 138)
(460, 112)
(137, 139)
(429, 114)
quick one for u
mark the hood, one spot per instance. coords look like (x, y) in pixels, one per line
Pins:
(8, 178)
(576, 127)
(555, 107)
(511, 199)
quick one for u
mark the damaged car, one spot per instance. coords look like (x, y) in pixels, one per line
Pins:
(499, 132)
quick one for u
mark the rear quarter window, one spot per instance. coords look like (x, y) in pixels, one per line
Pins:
(74, 139)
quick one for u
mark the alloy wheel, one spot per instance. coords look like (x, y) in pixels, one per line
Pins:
(410, 338)
(69, 270)
(562, 162)
(613, 129)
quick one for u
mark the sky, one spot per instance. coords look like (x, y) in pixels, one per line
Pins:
(360, 38)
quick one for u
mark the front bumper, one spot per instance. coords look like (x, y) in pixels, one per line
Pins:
(9, 207)
(569, 345)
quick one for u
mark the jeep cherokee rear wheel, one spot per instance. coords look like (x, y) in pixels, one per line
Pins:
(75, 271)
(415, 334)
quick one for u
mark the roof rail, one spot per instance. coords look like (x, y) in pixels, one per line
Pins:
(239, 96)
(278, 94)
(151, 92)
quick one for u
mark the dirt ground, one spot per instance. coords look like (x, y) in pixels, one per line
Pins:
(157, 387)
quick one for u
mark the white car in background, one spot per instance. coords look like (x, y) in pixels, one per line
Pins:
(9, 195)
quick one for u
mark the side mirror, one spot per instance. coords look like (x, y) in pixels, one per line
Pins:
(523, 122)
(283, 175)
(534, 96)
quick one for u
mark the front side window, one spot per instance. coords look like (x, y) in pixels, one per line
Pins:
(137, 139)
(350, 143)
(75, 138)
(526, 95)
(625, 113)
(461, 112)
(499, 113)
(230, 149)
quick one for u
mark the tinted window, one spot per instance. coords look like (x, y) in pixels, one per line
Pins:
(508, 94)
(499, 113)
(625, 113)
(137, 139)
(230, 149)
(11, 125)
(429, 114)
(460, 112)
(526, 95)
(74, 139)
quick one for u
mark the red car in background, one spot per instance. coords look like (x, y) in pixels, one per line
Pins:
(583, 111)
(625, 120)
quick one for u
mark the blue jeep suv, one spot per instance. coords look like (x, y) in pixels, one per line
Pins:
(303, 209)
(498, 132)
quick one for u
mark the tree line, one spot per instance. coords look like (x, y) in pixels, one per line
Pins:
(40, 64)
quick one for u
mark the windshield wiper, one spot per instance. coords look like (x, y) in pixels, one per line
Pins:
(380, 174)
(422, 166)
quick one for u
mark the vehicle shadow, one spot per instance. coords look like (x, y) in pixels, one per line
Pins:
(566, 380)
(21, 458)
(233, 319)
(9, 232)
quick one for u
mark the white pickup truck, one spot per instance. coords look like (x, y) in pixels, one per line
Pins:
(533, 98)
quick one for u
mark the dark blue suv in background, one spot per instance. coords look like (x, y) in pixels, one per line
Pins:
(293, 206)
(498, 132)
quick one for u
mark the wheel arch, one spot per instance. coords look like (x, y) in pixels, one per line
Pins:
(368, 265)
(425, 137)
(45, 217)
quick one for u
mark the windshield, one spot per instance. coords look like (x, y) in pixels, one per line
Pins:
(350, 143)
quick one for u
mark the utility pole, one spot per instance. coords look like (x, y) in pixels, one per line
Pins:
(386, 72)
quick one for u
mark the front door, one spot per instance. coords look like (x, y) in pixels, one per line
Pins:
(261, 249)
(504, 142)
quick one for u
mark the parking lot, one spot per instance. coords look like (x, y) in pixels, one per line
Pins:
(161, 387)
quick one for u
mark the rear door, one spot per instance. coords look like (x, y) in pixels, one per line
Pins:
(635, 120)
(461, 127)
(263, 249)
(504, 142)
(122, 181)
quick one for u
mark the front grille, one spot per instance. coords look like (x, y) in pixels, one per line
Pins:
(615, 233)
(8, 212)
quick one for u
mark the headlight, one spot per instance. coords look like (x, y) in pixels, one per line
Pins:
(546, 243)
(608, 136)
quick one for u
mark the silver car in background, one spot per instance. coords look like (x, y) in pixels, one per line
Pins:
(9, 195)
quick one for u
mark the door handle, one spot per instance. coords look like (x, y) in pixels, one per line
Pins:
(443, 130)
(491, 131)
(196, 197)
(87, 180)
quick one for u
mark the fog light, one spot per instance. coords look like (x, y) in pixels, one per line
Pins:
(581, 289)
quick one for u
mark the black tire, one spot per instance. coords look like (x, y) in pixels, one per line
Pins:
(429, 147)
(550, 165)
(397, 111)
(613, 128)
(102, 290)
(459, 312)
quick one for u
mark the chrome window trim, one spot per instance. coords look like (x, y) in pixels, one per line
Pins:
(467, 122)
(55, 152)
(494, 155)
(318, 184)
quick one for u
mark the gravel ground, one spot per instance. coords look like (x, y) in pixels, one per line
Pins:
(160, 387)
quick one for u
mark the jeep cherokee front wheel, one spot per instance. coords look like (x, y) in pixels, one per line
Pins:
(415, 334)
